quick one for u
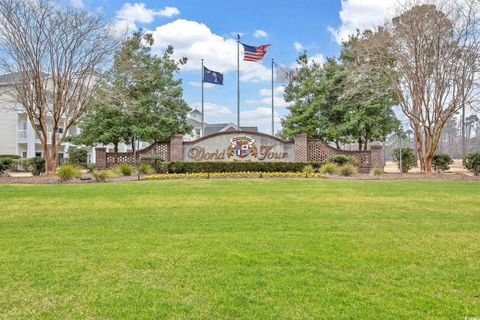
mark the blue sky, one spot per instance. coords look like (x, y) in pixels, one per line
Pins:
(205, 29)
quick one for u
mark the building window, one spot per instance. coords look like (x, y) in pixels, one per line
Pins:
(60, 158)
(23, 125)
(24, 154)
(197, 132)
(38, 154)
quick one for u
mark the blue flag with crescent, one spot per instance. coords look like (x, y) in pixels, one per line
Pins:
(212, 76)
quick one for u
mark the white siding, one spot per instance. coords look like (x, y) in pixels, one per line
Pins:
(8, 127)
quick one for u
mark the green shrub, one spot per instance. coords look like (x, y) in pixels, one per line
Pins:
(471, 162)
(341, 159)
(124, 169)
(101, 176)
(378, 171)
(441, 162)
(9, 156)
(35, 165)
(91, 167)
(152, 159)
(5, 165)
(67, 172)
(78, 157)
(308, 169)
(145, 168)
(408, 158)
(347, 170)
(329, 168)
(160, 167)
(234, 166)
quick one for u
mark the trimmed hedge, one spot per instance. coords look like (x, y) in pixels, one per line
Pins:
(5, 164)
(224, 166)
(441, 162)
(471, 162)
(408, 158)
(9, 156)
(78, 157)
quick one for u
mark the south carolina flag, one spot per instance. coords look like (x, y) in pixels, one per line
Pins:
(212, 76)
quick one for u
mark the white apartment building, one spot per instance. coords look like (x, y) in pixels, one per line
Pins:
(17, 135)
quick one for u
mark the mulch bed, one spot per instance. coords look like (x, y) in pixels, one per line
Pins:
(54, 179)
(386, 176)
(412, 176)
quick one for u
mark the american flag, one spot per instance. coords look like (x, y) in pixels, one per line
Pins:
(254, 53)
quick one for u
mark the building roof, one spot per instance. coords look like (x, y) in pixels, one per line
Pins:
(195, 111)
(211, 128)
(9, 78)
(195, 123)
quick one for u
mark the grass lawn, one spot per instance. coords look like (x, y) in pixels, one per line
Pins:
(241, 249)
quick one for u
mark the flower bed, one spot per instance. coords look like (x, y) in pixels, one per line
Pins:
(219, 175)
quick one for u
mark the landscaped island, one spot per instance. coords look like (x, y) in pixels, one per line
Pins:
(241, 249)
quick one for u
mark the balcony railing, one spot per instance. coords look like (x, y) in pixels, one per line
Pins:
(22, 134)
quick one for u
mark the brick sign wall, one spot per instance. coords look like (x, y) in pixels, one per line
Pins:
(242, 146)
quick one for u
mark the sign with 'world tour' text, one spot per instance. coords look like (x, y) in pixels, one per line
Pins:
(233, 146)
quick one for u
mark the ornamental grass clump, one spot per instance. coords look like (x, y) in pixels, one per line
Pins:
(145, 168)
(123, 169)
(329, 168)
(308, 169)
(378, 171)
(347, 170)
(67, 172)
(101, 176)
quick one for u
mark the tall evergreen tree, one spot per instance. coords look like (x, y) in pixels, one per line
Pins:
(141, 100)
(339, 103)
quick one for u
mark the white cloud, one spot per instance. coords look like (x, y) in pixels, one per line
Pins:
(267, 93)
(298, 46)
(361, 14)
(169, 12)
(215, 113)
(261, 117)
(130, 14)
(216, 109)
(198, 84)
(260, 34)
(77, 4)
(318, 58)
(196, 41)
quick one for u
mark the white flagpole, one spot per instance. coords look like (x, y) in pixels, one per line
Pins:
(238, 81)
(273, 101)
(201, 131)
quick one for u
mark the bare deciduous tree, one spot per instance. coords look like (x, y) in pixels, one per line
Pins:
(431, 53)
(54, 54)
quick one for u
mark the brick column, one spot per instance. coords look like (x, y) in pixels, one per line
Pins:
(176, 147)
(377, 157)
(300, 147)
(101, 158)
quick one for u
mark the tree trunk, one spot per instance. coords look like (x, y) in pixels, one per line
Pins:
(115, 147)
(50, 155)
(464, 143)
(419, 147)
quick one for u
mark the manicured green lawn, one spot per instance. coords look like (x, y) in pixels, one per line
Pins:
(241, 249)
